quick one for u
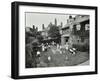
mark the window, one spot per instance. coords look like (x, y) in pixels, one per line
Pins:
(87, 27)
(78, 26)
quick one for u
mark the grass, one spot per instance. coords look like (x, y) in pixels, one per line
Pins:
(65, 59)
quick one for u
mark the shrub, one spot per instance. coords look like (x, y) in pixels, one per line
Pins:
(81, 47)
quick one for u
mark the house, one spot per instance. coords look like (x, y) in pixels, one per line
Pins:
(76, 31)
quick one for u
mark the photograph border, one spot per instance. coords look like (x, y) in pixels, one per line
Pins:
(15, 39)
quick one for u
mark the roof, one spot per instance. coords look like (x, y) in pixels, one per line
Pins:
(76, 21)
(81, 19)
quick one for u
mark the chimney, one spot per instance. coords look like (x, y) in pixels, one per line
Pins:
(33, 27)
(70, 17)
(36, 28)
(61, 24)
(55, 22)
(43, 27)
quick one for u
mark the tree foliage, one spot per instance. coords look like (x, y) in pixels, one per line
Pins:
(54, 32)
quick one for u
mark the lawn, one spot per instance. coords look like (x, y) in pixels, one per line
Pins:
(64, 59)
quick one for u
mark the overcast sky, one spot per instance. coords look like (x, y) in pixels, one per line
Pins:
(38, 19)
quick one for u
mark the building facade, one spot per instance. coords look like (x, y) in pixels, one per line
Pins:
(76, 31)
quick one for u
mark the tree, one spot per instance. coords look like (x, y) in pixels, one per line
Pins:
(39, 37)
(54, 32)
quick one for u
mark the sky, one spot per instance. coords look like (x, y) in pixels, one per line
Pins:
(38, 19)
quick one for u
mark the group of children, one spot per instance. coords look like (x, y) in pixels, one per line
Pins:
(61, 49)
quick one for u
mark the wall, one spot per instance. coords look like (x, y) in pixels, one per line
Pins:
(5, 41)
